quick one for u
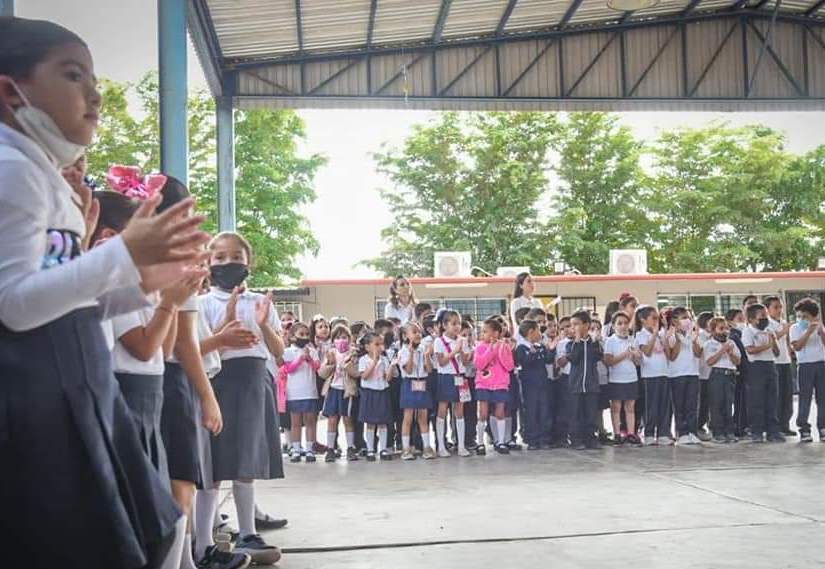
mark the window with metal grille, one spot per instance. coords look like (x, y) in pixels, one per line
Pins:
(570, 304)
(794, 296)
(295, 307)
(478, 309)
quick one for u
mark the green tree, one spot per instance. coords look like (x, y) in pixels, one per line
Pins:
(273, 180)
(468, 182)
(601, 203)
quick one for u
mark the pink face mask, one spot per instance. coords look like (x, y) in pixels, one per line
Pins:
(342, 346)
(685, 325)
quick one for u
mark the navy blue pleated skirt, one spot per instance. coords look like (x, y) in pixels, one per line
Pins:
(415, 399)
(72, 467)
(446, 389)
(302, 406)
(336, 404)
(493, 395)
(144, 396)
(180, 425)
(375, 407)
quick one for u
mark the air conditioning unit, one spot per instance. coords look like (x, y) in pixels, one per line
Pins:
(628, 262)
(511, 271)
(453, 264)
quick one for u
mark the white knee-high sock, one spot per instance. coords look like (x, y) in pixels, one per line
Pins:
(405, 441)
(350, 439)
(460, 429)
(331, 439)
(369, 438)
(382, 438)
(501, 424)
(287, 437)
(244, 493)
(481, 429)
(173, 556)
(440, 427)
(206, 506)
(186, 561)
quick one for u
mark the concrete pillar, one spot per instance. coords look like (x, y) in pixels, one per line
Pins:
(174, 141)
(226, 162)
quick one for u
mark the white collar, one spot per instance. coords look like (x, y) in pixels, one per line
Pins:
(221, 294)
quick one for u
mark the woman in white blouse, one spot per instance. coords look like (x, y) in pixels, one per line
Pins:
(401, 303)
(523, 295)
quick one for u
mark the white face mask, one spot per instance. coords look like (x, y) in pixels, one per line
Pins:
(42, 129)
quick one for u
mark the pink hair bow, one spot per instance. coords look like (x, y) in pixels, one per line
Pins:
(130, 181)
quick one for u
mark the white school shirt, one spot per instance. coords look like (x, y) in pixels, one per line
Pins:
(469, 367)
(440, 348)
(654, 365)
(813, 351)
(710, 349)
(686, 363)
(377, 380)
(426, 342)
(212, 360)
(214, 306)
(122, 360)
(419, 370)
(625, 370)
(301, 383)
(561, 350)
(518, 303)
(403, 313)
(108, 334)
(752, 336)
(40, 234)
(784, 356)
(704, 368)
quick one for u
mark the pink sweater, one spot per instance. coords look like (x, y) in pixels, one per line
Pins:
(493, 364)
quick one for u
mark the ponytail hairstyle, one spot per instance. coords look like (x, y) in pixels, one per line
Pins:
(394, 298)
(494, 324)
(406, 328)
(445, 316)
(518, 291)
(173, 192)
(642, 312)
(115, 212)
(365, 340)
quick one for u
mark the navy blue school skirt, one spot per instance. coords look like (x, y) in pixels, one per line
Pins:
(623, 391)
(336, 404)
(249, 445)
(180, 425)
(415, 399)
(71, 461)
(375, 407)
(446, 389)
(493, 395)
(302, 406)
(144, 396)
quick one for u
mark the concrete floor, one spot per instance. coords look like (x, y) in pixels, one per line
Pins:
(740, 506)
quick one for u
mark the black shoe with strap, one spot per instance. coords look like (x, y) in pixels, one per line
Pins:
(267, 522)
(214, 558)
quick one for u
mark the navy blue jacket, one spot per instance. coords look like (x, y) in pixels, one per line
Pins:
(533, 363)
(583, 356)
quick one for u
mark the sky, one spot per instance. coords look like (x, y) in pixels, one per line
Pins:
(122, 35)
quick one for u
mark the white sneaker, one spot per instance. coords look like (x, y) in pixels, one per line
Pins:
(684, 440)
(463, 451)
(649, 441)
(443, 453)
(694, 440)
(666, 441)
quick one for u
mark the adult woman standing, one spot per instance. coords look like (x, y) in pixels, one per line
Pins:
(523, 295)
(401, 303)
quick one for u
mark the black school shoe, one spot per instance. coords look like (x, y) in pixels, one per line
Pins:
(352, 454)
(385, 455)
(776, 438)
(214, 558)
(330, 456)
(481, 450)
(502, 449)
(255, 547)
(805, 437)
(513, 445)
(268, 523)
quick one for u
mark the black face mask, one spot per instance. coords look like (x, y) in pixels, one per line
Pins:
(722, 338)
(389, 338)
(762, 323)
(228, 276)
(302, 342)
(543, 329)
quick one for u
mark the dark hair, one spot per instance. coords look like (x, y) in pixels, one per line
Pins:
(338, 330)
(519, 289)
(750, 311)
(675, 313)
(581, 316)
(421, 308)
(338, 321)
(394, 320)
(357, 327)
(405, 329)
(521, 314)
(642, 313)
(536, 312)
(703, 319)
(626, 299)
(444, 317)
(749, 297)
(365, 341)
(250, 255)
(115, 212)
(807, 305)
(619, 314)
(563, 319)
(382, 323)
(770, 299)
(26, 43)
(429, 322)
(312, 327)
(732, 313)
(295, 327)
(394, 291)
(526, 326)
(611, 309)
(494, 324)
(173, 192)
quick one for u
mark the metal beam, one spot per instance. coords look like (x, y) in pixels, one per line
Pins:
(759, 5)
(464, 71)
(778, 60)
(443, 12)
(6, 7)
(592, 64)
(371, 24)
(206, 44)
(738, 5)
(743, 24)
(691, 7)
(653, 62)
(530, 66)
(571, 11)
(225, 134)
(334, 76)
(400, 74)
(815, 8)
(299, 30)
(172, 64)
(712, 60)
(766, 44)
(508, 11)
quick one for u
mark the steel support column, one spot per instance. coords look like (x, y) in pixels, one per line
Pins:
(174, 140)
(225, 124)
(6, 7)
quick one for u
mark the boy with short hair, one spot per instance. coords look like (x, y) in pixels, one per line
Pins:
(761, 349)
(808, 341)
(779, 326)
(533, 356)
(722, 356)
(584, 353)
(560, 394)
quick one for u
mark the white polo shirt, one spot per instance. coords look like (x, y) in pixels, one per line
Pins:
(704, 368)
(561, 350)
(753, 337)
(417, 355)
(377, 379)
(784, 356)
(686, 363)
(214, 307)
(301, 383)
(625, 370)
(813, 351)
(654, 365)
(123, 361)
(713, 346)
(440, 347)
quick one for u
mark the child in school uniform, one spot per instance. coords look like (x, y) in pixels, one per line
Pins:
(722, 356)
(622, 356)
(704, 374)
(737, 323)
(651, 342)
(532, 357)
(493, 361)
(448, 349)
(302, 363)
(470, 407)
(584, 353)
(785, 388)
(340, 390)
(761, 349)
(808, 341)
(560, 396)
(94, 478)
(249, 446)
(683, 351)
(597, 335)
(375, 407)
(416, 400)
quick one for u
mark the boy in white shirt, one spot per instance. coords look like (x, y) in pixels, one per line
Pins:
(808, 341)
(761, 348)
(785, 383)
(722, 355)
